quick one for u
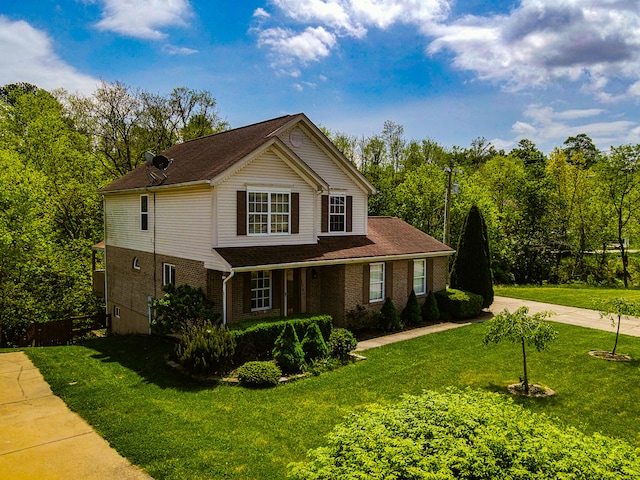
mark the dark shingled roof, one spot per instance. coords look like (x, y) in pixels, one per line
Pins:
(204, 158)
(387, 236)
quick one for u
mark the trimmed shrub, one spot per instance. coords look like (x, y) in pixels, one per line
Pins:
(256, 341)
(287, 351)
(389, 318)
(206, 349)
(313, 345)
(341, 343)
(459, 304)
(464, 435)
(411, 314)
(259, 374)
(360, 318)
(430, 310)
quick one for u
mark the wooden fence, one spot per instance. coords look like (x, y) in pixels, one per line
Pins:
(63, 332)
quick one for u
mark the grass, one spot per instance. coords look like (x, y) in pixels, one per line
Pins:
(570, 296)
(176, 428)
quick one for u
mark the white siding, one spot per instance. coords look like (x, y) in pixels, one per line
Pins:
(339, 181)
(268, 170)
(183, 223)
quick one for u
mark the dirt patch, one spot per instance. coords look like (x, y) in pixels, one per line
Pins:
(535, 390)
(606, 355)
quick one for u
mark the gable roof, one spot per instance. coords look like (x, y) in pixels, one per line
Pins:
(387, 237)
(205, 158)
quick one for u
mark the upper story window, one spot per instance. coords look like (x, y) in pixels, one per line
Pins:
(337, 213)
(419, 277)
(144, 212)
(168, 274)
(376, 282)
(268, 213)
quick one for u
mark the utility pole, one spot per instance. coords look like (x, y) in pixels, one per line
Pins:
(447, 206)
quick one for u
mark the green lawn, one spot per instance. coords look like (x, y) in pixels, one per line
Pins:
(571, 296)
(177, 428)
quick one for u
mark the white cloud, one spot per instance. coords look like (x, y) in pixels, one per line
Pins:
(341, 18)
(290, 47)
(544, 41)
(261, 13)
(174, 50)
(143, 18)
(28, 56)
(547, 127)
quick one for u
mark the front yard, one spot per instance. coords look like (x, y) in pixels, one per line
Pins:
(176, 428)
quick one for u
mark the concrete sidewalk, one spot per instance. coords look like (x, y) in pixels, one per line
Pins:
(42, 439)
(571, 315)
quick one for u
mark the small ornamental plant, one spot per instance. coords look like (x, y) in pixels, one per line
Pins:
(614, 309)
(341, 344)
(313, 344)
(287, 351)
(430, 310)
(259, 374)
(389, 318)
(206, 349)
(519, 327)
(411, 314)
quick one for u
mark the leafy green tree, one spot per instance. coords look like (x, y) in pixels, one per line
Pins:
(519, 327)
(619, 173)
(181, 308)
(471, 269)
(583, 145)
(616, 308)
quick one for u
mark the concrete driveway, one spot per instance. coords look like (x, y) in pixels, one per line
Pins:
(42, 439)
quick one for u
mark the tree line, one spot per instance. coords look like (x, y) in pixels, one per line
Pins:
(549, 217)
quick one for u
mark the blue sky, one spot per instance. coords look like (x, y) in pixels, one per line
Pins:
(447, 71)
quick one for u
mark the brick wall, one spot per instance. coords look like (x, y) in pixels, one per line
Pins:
(129, 289)
(440, 273)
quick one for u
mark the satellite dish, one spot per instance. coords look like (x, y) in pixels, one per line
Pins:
(148, 156)
(161, 162)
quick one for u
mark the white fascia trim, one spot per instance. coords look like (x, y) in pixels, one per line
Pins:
(320, 263)
(153, 188)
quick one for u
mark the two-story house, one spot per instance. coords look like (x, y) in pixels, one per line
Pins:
(270, 220)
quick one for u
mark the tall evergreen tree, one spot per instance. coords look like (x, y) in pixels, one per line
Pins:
(472, 266)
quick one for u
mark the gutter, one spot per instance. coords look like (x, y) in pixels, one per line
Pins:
(224, 296)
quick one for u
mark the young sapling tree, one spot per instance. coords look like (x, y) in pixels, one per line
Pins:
(519, 327)
(618, 307)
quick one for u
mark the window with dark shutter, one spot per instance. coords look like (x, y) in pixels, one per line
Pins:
(295, 212)
(324, 214)
(349, 213)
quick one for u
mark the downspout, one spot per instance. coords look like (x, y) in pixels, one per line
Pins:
(224, 296)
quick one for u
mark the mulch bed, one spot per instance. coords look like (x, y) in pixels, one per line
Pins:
(606, 355)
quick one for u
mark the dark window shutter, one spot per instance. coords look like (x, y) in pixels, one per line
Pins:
(409, 276)
(246, 292)
(349, 213)
(365, 283)
(277, 280)
(241, 217)
(295, 213)
(324, 213)
(388, 279)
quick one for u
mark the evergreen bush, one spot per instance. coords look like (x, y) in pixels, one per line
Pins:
(389, 318)
(341, 343)
(471, 269)
(206, 349)
(287, 351)
(259, 374)
(411, 314)
(430, 310)
(313, 345)
(459, 304)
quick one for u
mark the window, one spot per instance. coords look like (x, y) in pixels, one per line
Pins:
(268, 213)
(144, 212)
(419, 277)
(168, 274)
(136, 263)
(260, 290)
(116, 311)
(337, 213)
(376, 282)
